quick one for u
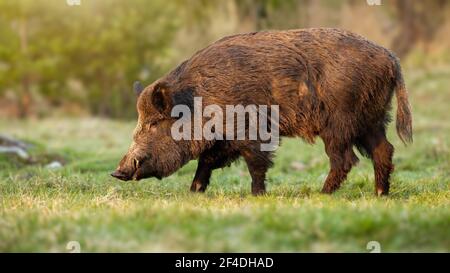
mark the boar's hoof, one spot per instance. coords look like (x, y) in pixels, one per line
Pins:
(197, 186)
(382, 192)
(258, 192)
(327, 190)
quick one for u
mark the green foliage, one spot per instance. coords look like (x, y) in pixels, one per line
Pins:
(88, 54)
(85, 58)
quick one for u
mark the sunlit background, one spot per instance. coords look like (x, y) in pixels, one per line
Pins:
(57, 58)
(67, 114)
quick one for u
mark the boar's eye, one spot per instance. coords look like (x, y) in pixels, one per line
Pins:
(151, 126)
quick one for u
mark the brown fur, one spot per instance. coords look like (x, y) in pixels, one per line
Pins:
(328, 83)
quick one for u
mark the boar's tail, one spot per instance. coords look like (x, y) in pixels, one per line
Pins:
(404, 117)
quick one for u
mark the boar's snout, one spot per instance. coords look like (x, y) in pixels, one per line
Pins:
(134, 166)
(120, 175)
(128, 168)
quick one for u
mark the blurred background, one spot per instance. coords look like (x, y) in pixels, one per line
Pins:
(67, 114)
(60, 58)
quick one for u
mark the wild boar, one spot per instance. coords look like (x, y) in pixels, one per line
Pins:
(328, 83)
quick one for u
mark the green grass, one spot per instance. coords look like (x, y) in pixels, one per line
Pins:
(42, 209)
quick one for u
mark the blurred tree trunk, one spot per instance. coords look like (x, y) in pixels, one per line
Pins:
(25, 98)
(274, 14)
(419, 21)
(255, 12)
(261, 15)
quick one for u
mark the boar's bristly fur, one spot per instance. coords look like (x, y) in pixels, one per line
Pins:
(328, 83)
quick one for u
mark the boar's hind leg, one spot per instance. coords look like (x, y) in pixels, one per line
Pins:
(258, 163)
(342, 158)
(377, 147)
(208, 161)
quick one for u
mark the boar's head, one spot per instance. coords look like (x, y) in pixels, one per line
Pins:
(153, 152)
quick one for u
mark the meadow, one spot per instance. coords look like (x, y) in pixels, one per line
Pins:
(42, 209)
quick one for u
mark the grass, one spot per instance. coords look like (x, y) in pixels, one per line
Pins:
(42, 210)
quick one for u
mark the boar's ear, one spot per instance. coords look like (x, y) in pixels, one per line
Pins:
(163, 99)
(138, 88)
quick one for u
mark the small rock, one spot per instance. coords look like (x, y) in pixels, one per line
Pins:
(54, 165)
(15, 150)
(10, 142)
(298, 166)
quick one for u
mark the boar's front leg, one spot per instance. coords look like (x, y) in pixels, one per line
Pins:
(219, 156)
(258, 163)
(202, 176)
